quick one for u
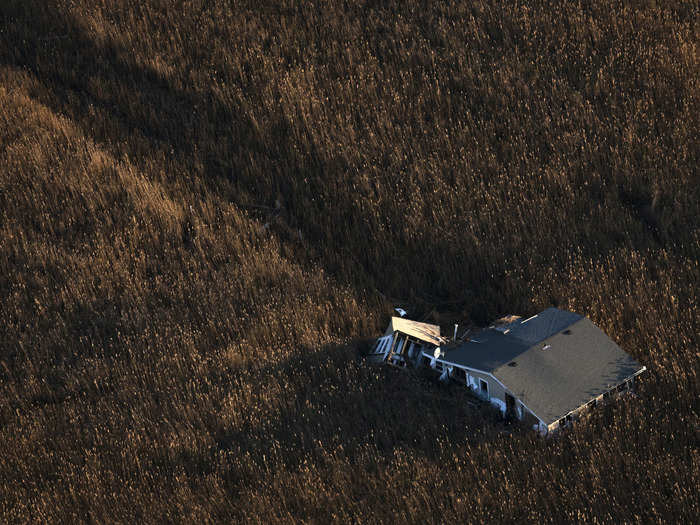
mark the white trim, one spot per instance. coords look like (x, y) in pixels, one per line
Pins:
(613, 388)
(529, 319)
(390, 347)
(500, 404)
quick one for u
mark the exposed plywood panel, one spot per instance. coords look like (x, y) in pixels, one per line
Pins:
(429, 333)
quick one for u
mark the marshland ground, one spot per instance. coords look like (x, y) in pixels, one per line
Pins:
(205, 206)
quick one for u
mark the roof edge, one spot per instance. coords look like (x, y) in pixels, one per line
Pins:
(490, 375)
(505, 387)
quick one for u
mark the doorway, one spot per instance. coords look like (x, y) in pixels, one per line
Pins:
(484, 386)
(510, 405)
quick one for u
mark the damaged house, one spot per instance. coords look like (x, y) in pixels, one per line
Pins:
(544, 370)
(405, 341)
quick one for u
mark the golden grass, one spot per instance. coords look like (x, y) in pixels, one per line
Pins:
(205, 206)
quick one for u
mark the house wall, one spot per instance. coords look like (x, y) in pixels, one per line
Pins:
(496, 393)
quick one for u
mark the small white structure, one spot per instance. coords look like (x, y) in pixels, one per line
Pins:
(404, 341)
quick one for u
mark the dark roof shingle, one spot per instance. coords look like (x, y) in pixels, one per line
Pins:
(562, 361)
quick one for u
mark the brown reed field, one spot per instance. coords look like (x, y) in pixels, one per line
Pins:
(207, 206)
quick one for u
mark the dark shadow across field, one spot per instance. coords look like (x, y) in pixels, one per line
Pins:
(359, 406)
(134, 111)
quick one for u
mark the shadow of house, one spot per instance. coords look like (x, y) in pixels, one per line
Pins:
(352, 408)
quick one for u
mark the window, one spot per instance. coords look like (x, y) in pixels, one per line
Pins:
(484, 387)
(460, 374)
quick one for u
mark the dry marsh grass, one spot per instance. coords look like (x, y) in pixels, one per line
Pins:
(205, 206)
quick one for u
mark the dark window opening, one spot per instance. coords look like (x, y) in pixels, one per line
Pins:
(510, 405)
(484, 387)
(512, 363)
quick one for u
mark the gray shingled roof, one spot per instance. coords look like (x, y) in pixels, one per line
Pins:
(579, 363)
(541, 326)
(487, 350)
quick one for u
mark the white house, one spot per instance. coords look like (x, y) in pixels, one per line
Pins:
(544, 370)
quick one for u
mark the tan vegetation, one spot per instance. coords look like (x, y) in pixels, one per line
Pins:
(205, 205)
